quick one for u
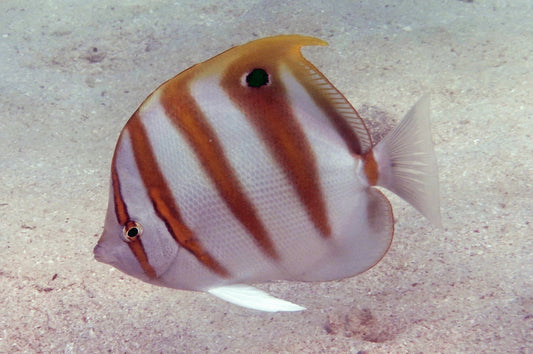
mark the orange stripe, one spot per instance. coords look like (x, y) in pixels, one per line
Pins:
(123, 218)
(268, 110)
(371, 168)
(138, 250)
(121, 211)
(182, 110)
(162, 199)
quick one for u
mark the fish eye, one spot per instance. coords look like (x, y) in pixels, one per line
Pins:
(132, 231)
(257, 77)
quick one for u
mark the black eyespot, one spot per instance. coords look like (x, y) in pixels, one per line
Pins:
(132, 231)
(257, 78)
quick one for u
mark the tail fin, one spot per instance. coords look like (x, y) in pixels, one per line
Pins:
(407, 164)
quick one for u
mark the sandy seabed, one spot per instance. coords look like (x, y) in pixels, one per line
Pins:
(72, 74)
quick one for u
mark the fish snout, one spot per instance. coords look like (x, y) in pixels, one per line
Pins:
(103, 255)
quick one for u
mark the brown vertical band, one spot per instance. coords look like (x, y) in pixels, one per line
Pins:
(269, 112)
(162, 197)
(184, 113)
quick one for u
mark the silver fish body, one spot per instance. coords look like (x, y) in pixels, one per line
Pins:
(252, 167)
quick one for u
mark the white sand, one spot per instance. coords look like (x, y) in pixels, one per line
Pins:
(71, 75)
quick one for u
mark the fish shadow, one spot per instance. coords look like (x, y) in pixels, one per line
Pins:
(377, 121)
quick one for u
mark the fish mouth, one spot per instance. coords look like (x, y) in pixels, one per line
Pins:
(101, 256)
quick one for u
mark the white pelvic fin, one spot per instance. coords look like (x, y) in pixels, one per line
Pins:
(407, 163)
(253, 298)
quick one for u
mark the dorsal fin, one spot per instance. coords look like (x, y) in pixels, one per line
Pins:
(337, 107)
(286, 49)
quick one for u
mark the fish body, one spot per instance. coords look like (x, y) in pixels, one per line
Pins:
(252, 167)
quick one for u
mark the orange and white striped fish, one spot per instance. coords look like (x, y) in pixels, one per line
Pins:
(252, 167)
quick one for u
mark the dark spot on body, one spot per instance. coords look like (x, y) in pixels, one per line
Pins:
(257, 78)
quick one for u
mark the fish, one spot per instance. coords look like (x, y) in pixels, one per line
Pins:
(251, 167)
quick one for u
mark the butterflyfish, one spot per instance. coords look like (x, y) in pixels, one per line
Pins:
(252, 167)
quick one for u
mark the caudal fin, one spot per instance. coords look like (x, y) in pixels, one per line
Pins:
(407, 165)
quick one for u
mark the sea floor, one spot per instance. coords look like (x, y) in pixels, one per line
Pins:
(72, 74)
